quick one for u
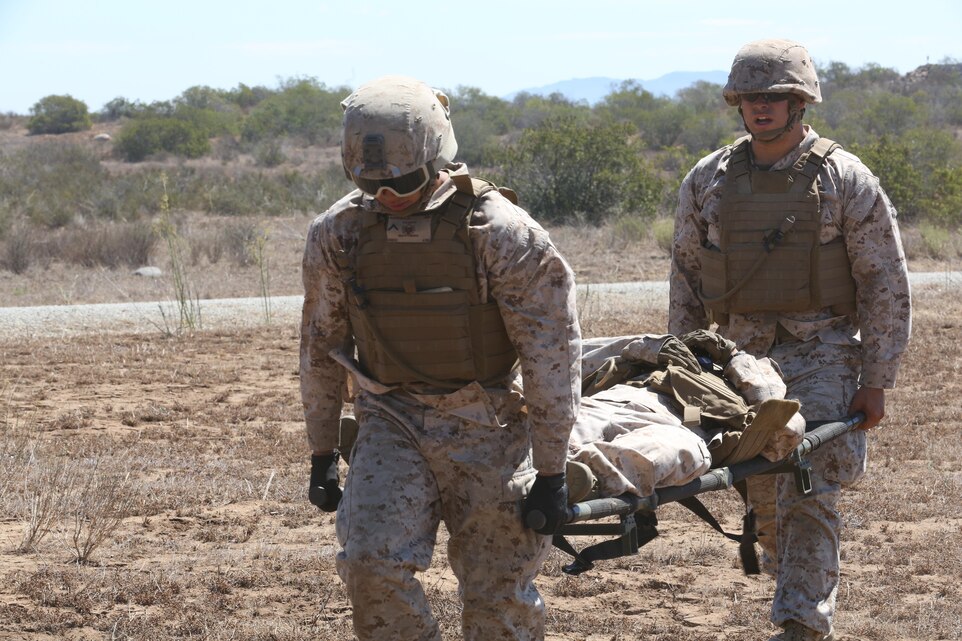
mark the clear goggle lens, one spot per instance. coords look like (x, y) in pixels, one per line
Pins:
(400, 186)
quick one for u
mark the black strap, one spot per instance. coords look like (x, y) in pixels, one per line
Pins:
(746, 540)
(639, 529)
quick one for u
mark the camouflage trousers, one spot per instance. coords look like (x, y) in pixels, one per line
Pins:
(412, 468)
(799, 534)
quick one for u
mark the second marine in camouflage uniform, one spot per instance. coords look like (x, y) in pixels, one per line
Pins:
(834, 362)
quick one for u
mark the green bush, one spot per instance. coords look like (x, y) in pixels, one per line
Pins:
(479, 122)
(58, 115)
(52, 182)
(663, 232)
(304, 109)
(119, 108)
(259, 193)
(211, 110)
(246, 97)
(921, 171)
(111, 246)
(18, 250)
(144, 137)
(568, 171)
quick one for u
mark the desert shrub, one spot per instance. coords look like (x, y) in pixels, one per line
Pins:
(206, 245)
(921, 171)
(119, 108)
(58, 115)
(112, 245)
(479, 121)
(663, 232)
(238, 238)
(269, 153)
(8, 120)
(211, 110)
(18, 249)
(246, 97)
(568, 169)
(303, 109)
(936, 242)
(97, 504)
(144, 137)
(127, 196)
(52, 182)
(259, 193)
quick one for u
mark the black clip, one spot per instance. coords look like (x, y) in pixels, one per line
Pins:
(803, 473)
(775, 236)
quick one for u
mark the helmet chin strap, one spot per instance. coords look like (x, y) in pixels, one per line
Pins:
(794, 117)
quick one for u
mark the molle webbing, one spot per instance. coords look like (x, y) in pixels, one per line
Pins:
(417, 316)
(770, 258)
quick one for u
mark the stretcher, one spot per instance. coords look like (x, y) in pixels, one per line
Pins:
(637, 521)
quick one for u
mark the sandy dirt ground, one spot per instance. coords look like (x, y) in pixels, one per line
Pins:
(154, 487)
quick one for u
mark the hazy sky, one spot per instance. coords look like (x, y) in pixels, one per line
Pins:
(146, 51)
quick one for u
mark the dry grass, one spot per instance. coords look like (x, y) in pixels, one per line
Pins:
(203, 435)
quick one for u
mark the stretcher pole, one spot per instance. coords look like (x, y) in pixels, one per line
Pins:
(717, 479)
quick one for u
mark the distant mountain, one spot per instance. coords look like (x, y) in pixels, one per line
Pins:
(592, 90)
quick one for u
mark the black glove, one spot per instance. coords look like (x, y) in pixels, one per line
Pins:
(547, 504)
(324, 491)
(719, 348)
(674, 352)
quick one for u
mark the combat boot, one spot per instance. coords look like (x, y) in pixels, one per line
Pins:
(795, 631)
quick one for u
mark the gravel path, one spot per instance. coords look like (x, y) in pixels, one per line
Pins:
(65, 320)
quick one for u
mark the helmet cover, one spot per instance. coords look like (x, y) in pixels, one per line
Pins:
(772, 66)
(393, 126)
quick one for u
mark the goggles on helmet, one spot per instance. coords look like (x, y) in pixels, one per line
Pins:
(401, 186)
(767, 97)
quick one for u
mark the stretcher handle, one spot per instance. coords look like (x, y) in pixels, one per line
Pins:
(594, 509)
(724, 477)
(717, 479)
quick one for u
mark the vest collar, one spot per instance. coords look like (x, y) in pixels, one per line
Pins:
(789, 159)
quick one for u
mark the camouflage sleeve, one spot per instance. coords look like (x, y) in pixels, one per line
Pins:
(685, 311)
(324, 326)
(535, 291)
(879, 268)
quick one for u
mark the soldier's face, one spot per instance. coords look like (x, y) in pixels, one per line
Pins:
(763, 115)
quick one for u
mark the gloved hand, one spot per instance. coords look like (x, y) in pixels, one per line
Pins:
(549, 498)
(719, 348)
(324, 491)
(675, 352)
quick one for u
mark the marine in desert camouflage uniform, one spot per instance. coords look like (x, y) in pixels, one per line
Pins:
(475, 457)
(836, 361)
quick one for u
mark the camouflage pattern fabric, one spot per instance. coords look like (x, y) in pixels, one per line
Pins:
(414, 466)
(632, 437)
(799, 534)
(853, 206)
(823, 358)
(478, 433)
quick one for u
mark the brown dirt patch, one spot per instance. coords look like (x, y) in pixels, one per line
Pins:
(220, 542)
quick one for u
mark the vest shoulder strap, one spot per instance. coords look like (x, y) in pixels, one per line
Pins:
(739, 164)
(809, 163)
(479, 186)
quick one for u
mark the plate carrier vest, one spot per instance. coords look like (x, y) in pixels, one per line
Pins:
(772, 219)
(415, 306)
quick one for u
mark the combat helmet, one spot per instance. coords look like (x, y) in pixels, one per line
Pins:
(396, 135)
(773, 66)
